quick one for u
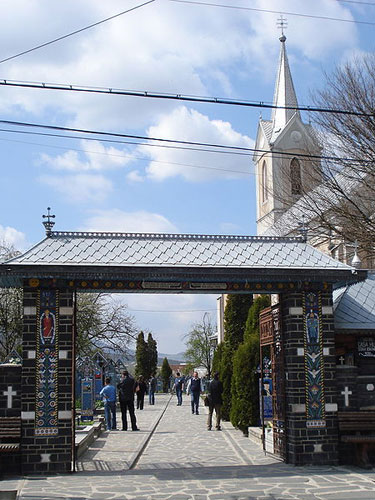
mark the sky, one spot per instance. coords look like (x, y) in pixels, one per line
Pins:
(164, 47)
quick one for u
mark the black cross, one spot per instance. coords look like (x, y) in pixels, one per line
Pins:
(48, 224)
(282, 23)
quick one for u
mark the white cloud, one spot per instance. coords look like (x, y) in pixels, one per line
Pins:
(93, 156)
(162, 47)
(190, 125)
(118, 220)
(170, 317)
(80, 188)
(12, 237)
(134, 176)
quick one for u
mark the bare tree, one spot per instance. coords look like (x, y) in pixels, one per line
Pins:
(103, 322)
(337, 196)
(11, 311)
(200, 348)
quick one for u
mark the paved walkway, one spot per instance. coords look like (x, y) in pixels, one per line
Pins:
(179, 459)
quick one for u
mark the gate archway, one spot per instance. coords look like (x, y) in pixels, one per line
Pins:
(65, 262)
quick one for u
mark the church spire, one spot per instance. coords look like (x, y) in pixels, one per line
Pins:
(284, 95)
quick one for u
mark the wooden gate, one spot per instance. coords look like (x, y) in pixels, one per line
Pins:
(271, 335)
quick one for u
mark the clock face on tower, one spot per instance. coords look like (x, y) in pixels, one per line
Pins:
(296, 136)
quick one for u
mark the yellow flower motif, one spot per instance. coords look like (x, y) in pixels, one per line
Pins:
(131, 284)
(95, 284)
(83, 283)
(33, 282)
(107, 284)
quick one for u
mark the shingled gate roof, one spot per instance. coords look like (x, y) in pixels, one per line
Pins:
(83, 254)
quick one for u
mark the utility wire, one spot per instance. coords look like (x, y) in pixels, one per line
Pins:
(326, 18)
(189, 165)
(170, 311)
(220, 148)
(356, 2)
(74, 32)
(63, 136)
(178, 97)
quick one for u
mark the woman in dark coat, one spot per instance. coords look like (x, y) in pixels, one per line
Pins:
(141, 390)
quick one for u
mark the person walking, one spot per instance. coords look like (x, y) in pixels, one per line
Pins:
(126, 390)
(151, 390)
(178, 386)
(108, 394)
(215, 391)
(195, 388)
(140, 389)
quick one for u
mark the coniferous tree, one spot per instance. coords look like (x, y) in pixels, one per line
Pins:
(235, 316)
(152, 353)
(141, 356)
(245, 380)
(216, 359)
(165, 373)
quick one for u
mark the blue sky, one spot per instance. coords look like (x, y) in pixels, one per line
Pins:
(162, 47)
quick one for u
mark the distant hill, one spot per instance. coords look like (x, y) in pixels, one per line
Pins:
(173, 359)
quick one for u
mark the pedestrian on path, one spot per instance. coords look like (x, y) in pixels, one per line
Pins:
(152, 389)
(140, 389)
(178, 386)
(215, 391)
(195, 388)
(126, 390)
(108, 394)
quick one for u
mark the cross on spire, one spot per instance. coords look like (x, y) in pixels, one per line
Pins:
(282, 24)
(48, 224)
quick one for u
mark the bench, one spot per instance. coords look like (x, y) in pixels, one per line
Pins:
(10, 434)
(358, 427)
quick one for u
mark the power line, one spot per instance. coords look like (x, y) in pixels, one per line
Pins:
(326, 18)
(178, 97)
(189, 165)
(74, 32)
(170, 311)
(356, 2)
(221, 148)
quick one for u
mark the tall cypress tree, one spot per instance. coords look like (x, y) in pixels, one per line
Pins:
(141, 356)
(152, 353)
(165, 373)
(245, 380)
(235, 316)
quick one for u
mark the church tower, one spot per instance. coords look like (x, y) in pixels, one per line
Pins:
(283, 173)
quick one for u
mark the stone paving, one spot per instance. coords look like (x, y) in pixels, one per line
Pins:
(175, 457)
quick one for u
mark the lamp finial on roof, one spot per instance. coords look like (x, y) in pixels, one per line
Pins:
(302, 229)
(356, 261)
(48, 224)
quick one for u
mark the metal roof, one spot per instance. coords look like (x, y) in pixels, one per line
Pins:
(354, 306)
(175, 250)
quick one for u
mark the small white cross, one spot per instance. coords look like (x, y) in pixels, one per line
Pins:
(10, 393)
(341, 359)
(346, 393)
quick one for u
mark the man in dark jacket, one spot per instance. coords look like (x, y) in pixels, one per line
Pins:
(195, 388)
(215, 391)
(126, 390)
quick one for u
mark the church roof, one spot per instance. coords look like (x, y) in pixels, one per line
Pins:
(174, 250)
(321, 199)
(354, 305)
(284, 95)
